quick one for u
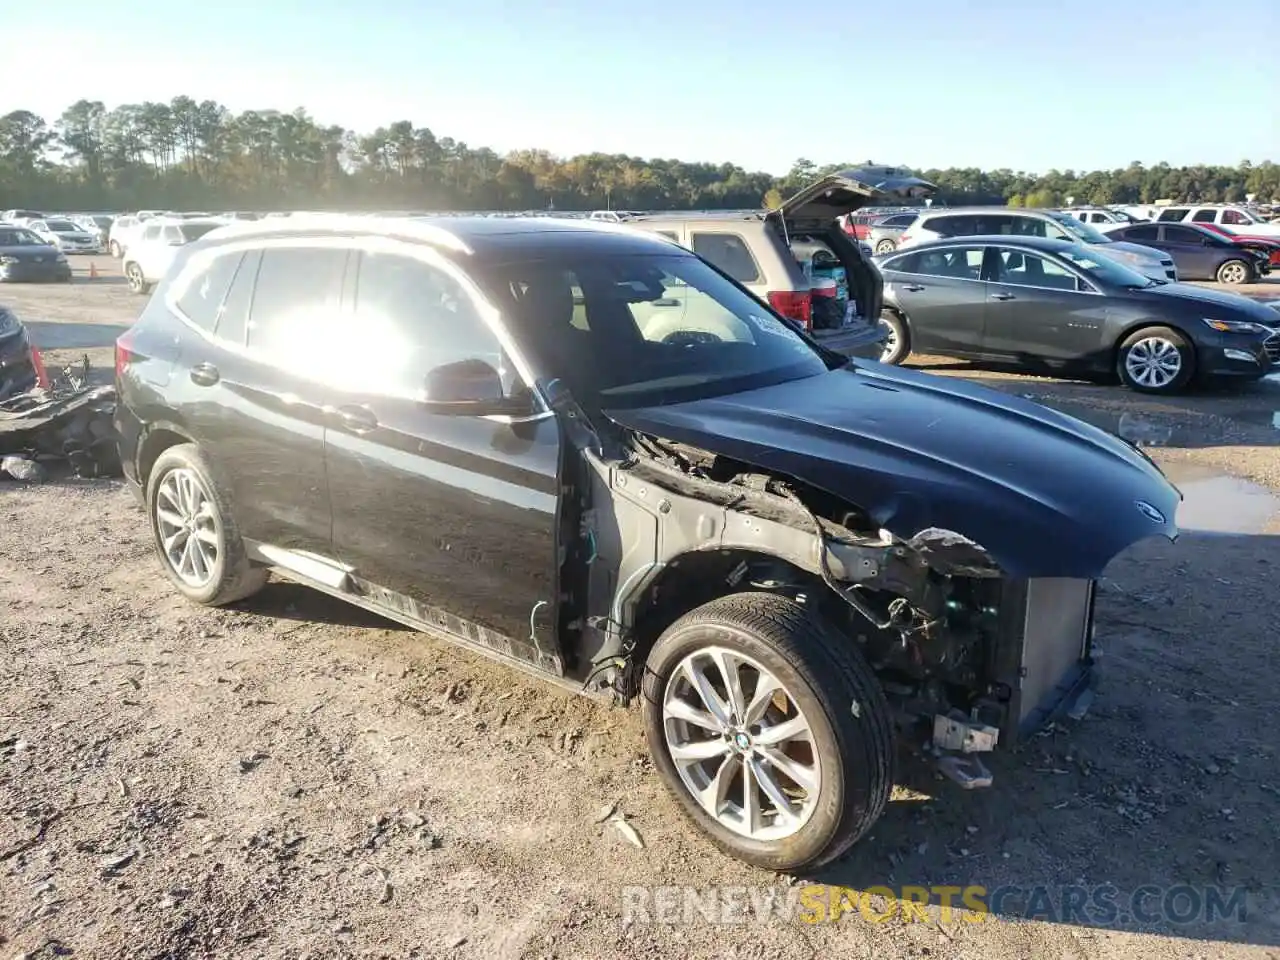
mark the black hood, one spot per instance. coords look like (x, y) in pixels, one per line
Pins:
(1215, 304)
(1045, 494)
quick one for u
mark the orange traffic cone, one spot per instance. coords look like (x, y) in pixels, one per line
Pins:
(93, 271)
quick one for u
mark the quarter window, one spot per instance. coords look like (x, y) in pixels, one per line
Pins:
(151, 232)
(1172, 214)
(171, 235)
(729, 252)
(200, 299)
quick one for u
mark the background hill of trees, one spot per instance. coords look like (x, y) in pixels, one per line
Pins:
(198, 155)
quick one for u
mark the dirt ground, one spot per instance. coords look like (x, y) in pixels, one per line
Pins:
(296, 778)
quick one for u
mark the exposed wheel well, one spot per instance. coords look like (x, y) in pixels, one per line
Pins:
(157, 442)
(696, 578)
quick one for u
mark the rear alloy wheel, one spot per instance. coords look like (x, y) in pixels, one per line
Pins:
(770, 730)
(897, 343)
(1235, 272)
(194, 532)
(1155, 360)
(137, 282)
(886, 246)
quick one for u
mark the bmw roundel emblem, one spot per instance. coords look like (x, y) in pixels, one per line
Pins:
(1148, 511)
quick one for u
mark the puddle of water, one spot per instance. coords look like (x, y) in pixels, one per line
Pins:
(1214, 503)
(1137, 429)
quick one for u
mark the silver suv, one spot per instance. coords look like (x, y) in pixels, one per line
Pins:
(1004, 221)
(797, 258)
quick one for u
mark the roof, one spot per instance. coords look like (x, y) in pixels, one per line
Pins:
(1039, 211)
(487, 237)
(1049, 245)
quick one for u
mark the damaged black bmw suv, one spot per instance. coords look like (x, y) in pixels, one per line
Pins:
(585, 451)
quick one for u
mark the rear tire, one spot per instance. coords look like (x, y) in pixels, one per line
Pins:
(845, 753)
(182, 494)
(1156, 360)
(1236, 272)
(886, 246)
(898, 346)
(137, 282)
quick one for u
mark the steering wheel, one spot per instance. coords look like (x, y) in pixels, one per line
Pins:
(689, 338)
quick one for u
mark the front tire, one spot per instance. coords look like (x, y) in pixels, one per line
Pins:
(194, 530)
(769, 729)
(1235, 272)
(897, 346)
(886, 246)
(114, 249)
(1156, 360)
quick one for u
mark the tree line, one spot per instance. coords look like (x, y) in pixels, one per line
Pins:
(199, 155)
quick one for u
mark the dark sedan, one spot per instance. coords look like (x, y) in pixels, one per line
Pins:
(1199, 254)
(1060, 305)
(24, 257)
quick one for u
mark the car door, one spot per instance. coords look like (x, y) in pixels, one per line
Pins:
(1194, 258)
(943, 295)
(254, 392)
(1039, 310)
(455, 512)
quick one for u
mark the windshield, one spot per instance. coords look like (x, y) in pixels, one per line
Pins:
(1103, 269)
(194, 231)
(10, 237)
(102, 222)
(62, 226)
(628, 331)
(1081, 230)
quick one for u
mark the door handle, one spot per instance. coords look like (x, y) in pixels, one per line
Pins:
(913, 287)
(358, 419)
(205, 374)
(1003, 296)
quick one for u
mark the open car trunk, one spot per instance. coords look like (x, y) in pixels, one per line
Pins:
(810, 218)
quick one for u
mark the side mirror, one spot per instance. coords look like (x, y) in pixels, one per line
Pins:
(466, 387)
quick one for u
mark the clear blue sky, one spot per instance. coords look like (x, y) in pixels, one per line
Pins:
(1027, 84)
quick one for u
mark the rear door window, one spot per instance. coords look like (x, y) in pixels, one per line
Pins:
(151, 232)
(729, 252)
(960, 263)
(1182, 235)
(171, 235)
(960, 226)
(1028, 270)
(295, 299)
(1172, 214)
(1143, 232)
(1203, 216)
(204, 288)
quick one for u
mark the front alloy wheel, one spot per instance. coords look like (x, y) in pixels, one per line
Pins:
(886, 246)
(770, 730)
(742, 747)
(1235, 272)
(1156, 360)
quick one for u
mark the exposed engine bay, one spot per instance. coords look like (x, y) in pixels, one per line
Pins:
(942, 627)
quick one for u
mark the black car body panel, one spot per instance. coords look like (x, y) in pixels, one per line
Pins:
(1046, 495)
(32, 263)
(17, 364)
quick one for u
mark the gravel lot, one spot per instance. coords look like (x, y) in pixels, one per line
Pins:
(296, 778)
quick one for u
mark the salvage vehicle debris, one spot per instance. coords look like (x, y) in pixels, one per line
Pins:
(67, 424)
(587, 453)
